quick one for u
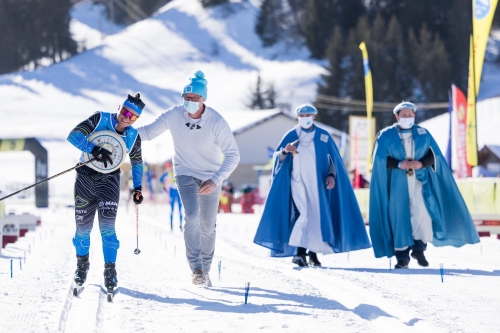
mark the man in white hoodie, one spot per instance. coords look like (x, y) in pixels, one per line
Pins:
(200, 136)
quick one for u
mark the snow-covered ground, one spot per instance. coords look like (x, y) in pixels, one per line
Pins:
(351, 293)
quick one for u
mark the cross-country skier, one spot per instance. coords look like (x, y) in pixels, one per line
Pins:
(95, 191)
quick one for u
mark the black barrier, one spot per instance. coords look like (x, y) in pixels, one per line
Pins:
(41, 164)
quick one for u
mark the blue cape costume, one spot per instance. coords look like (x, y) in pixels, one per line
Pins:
(342, 225)
(390, 225)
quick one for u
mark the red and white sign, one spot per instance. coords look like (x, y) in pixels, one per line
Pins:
(460, 109)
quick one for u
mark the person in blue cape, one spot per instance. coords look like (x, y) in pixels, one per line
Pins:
(414, 199)
(311, 203)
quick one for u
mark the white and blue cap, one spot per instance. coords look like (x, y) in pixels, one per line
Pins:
(134, 103)
(404, 105)
(198, 85)
(306, 109)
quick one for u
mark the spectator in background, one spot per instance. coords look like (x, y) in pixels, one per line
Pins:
(311, 203)
(167, 179)
(413, 196)
(226, 197)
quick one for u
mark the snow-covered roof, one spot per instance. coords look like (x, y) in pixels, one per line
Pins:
(260, 116)
(495, 150)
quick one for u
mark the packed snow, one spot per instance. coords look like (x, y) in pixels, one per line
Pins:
(352, 292)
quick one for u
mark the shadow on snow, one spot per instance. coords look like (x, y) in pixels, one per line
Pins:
(364, 311)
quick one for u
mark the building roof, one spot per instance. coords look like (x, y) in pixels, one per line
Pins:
(495, 150)
(236, 120)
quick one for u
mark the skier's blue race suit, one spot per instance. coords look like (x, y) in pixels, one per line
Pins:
(99, 191)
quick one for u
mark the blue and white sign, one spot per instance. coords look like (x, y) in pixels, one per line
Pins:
(481, 8)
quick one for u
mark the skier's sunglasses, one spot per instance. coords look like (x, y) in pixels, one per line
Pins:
(127, 114)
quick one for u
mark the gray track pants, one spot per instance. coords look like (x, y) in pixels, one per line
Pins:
(200, 216)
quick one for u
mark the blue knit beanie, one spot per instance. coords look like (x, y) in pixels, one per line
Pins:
(306, 109)
(134, 103)
(198, 85)
(404, 105)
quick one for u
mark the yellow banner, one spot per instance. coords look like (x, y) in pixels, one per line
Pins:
(483, 12)
(11, 144)
(482, 16)
(471, 129)
(369, 99)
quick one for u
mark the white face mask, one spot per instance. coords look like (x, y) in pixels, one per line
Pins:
(305, 122)
(406, 123)
(191, 107)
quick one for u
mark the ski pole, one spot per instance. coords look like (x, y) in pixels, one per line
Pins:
(43, 181)
(137, 251)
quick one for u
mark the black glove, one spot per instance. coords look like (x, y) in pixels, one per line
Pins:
(137, 197)
(102, 155)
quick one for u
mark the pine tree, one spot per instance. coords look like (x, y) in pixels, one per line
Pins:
(323, 15)
(125, 13)
(431, 65)
(269, 22)
(318, 25)
(263, 99)
(271, 97)
(211, 3)
(32, 30)
(257, 100)
(335, 52)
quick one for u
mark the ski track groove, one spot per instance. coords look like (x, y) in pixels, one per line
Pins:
(65, 310)
(84, 308)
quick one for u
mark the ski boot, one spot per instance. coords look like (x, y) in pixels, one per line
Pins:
(419, 255)
(300, 260)
(110, 280)
(82, 268)
(313, 260)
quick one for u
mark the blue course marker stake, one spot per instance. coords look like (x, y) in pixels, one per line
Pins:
(11, 275)
(20, 264)
(390, 265)
(247, 290)
(220, 266)
(441, 270)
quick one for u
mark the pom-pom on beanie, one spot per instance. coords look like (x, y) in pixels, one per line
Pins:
(198, 85)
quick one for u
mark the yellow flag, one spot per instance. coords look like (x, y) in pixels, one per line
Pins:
(483, 11)
(471, 132)
(369, 99)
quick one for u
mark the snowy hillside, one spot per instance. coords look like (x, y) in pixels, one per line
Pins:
(155, 56)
